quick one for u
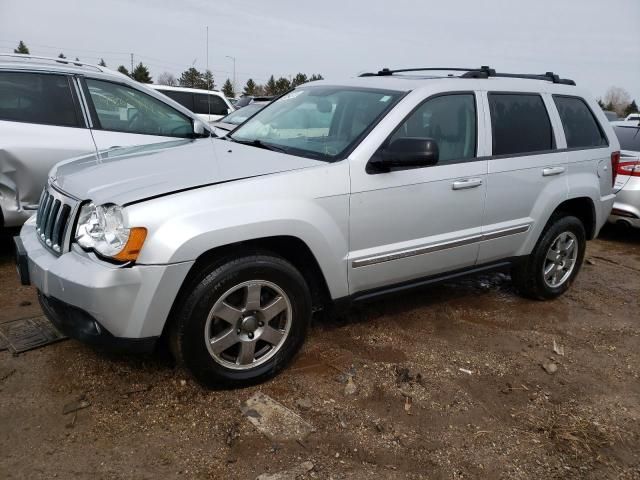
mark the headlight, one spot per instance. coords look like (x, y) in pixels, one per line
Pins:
(101, 228)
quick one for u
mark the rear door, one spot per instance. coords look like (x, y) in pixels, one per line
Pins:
(123, 116)
(526, 171)
(40, 124)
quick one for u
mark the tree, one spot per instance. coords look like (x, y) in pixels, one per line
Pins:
(299, 79)
(602, 104)
(227, 89)
(22, 48)
(250, 87)
(270, 87)
(618, 98)
(102, 63)
(122, 69)
(61, 55)
(191, 78)
(77, 59)
(316, 76)
(207, 78)
(141, 74)
(282, 85)
(631, 108)
(167, 79)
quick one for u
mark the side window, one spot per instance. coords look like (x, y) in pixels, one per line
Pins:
(450, 120)
(123, 109)
(216, 104)
(183, 98)
(520, 123)
(580, 126)
(37, 98)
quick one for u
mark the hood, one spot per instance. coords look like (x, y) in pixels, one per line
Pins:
(127, 175)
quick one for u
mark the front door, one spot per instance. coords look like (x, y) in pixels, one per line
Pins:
(413, 223)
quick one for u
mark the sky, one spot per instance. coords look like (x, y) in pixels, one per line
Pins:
(594, 42)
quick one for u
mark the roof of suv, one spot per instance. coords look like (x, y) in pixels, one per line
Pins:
(62, 65)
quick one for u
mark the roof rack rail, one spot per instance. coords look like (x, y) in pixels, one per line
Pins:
(62, 61)
(482, 72)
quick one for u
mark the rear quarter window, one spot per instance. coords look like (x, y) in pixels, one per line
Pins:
(581, 129)
(520, 124)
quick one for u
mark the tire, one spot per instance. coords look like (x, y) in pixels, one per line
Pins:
(246, 285)
(529, 276)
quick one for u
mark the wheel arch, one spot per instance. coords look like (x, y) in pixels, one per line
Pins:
(581, 207)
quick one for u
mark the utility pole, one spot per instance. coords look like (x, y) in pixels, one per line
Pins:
(234, 72)
(132, 64)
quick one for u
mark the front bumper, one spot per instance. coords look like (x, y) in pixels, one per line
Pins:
(89, 298)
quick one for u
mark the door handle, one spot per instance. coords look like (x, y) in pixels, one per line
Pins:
(550, 171)
(466, 183)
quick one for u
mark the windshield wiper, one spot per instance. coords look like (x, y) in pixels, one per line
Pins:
(259, 144)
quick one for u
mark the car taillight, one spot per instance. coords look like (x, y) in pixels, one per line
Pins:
(615, 161)
(629, 168)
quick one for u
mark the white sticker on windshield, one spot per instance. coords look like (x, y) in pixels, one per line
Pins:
(291, 95)
(386, 98)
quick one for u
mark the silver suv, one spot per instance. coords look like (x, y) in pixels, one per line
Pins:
(333, 194)
(54, 109)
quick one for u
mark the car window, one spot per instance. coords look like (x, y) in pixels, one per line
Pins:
(519, 123)
(216, 105)
(37, 98)
(317, 122)
(239, 116)
(123, 109)
(450, 120)
(629, 137)
(183, 98)
(581, 129)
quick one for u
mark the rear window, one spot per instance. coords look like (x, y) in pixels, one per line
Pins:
(629, 138)
(520, 124)
(37, 98)
(580, 126)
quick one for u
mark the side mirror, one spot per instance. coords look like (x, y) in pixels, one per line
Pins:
(406, 152)
(198, 128)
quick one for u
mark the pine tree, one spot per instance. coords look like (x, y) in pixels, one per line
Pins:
(601, 103)
(631, 108)
(316, 76)
(270, 87)
(61, 55)
(77, 59)
(191, 78)
(141, 74)
(207, 78)
(299, 79)
(22, 48)
(102, 63)
(282, 85)
(122, 69)
(250, 87)
(227, 89)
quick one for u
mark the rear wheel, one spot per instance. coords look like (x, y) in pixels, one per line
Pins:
(554, 262)
(243, 321)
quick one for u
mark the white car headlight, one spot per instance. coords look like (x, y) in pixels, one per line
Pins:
(101, 228)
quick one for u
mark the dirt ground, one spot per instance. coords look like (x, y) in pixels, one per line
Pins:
(445, 383)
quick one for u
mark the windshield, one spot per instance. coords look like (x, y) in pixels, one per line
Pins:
(629, 138)
(317, 122)
(239, 116)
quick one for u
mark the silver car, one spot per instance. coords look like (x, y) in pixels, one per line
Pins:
(626, 209)
(54, 109)
(336, 193)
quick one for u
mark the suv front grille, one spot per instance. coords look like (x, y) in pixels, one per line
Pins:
(53, 219)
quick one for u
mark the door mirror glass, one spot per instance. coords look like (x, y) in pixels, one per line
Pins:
(406, 152)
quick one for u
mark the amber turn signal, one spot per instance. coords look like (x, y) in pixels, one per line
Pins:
(132, 249)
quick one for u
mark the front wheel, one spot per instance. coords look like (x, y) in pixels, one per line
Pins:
(555, 261)
(243, 321)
